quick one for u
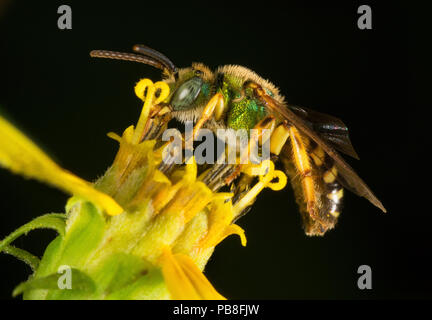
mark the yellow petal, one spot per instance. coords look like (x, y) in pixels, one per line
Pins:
(20, 155)
(184, 279)
(191, 170)
(220, 224)
(233, 229)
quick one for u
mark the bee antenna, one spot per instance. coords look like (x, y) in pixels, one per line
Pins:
(146, 51)
(127, 57)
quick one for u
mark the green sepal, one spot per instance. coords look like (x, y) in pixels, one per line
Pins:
(119, 277)
(49, 221)
(46, 267)
(84, 231)
(54, 221)
(82, 285)
(125, 276)
(23, 255)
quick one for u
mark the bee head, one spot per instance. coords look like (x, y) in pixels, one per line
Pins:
(192, 88)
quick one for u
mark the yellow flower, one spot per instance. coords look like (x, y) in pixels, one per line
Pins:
(20, 155)
(137, 232)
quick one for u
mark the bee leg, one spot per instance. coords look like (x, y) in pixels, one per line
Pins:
(278, 138)
(268, 123)
(304, 167)
(214, 177)
(245, 195)
(267, 174)
(157, 122)
(215, 103)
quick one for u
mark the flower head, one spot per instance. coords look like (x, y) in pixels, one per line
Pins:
(145, 229)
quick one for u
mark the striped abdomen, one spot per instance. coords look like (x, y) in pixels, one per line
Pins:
(328, 193)
(333, 191)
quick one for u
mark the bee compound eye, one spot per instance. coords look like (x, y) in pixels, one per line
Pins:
(198, 73)
(186, 94)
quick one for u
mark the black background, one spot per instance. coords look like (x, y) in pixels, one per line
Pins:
(316, 54)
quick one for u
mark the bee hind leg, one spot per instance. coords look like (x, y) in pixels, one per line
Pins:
(304, 167)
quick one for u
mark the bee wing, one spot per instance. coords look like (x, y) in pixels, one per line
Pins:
(330, 129)
(349, 178)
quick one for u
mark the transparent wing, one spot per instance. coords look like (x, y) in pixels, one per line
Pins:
(330, 129)
(349, 179)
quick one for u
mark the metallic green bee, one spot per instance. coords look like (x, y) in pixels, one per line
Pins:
(236, 97)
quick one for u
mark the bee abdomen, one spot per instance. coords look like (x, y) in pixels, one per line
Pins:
(334, 196)
(333, 191)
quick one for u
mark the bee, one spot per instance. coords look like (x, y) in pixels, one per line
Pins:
(306, 141)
